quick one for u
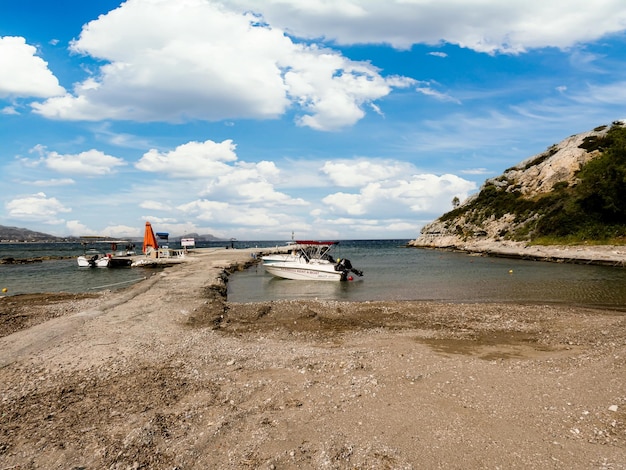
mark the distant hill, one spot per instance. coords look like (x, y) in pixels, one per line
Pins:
(574, 193)
(199, 238)
(16, 234)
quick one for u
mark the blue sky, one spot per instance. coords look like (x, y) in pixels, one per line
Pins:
(248, 119)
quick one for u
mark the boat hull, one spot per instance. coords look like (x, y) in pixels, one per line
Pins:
(301, 271)
(92, 262)
(120, 262)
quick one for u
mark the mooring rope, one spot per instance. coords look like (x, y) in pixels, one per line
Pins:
(118, 283)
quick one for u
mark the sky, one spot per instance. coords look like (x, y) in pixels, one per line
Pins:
(259, 119)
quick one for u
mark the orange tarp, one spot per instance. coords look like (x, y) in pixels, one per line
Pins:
(149, 239)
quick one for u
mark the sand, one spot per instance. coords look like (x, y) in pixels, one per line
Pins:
(167, 374)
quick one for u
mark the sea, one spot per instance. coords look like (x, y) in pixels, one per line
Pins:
(392, 271)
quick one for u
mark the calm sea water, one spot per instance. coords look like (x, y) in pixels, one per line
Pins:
(392, 272)
(64, 275)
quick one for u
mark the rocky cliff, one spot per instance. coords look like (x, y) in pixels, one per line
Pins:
(540, 196)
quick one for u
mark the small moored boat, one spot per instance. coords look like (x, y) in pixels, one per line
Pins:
(94, 258)
(310, 260)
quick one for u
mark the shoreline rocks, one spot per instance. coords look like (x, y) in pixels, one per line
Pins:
(604, 255)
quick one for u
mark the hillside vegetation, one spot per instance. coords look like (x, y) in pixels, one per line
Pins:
(587, 204)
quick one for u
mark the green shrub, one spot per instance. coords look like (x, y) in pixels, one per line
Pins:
(594, 209)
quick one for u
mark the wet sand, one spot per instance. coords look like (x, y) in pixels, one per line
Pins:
(168, 374)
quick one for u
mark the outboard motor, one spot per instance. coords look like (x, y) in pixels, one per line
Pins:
(345, 266)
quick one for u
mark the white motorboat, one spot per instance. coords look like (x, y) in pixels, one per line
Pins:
(310, 260)
(280, 257)
(94, 258)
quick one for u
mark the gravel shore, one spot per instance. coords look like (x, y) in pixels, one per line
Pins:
(168, 374)
(606, 255)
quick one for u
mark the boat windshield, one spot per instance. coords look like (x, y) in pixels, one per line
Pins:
(317, 250)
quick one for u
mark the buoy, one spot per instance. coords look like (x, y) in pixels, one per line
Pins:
(510, 271)
(350, 278)
(4, 290)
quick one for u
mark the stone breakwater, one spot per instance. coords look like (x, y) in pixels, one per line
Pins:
(605, 255)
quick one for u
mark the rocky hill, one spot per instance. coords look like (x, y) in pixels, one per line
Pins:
(16, 234)
(574, 192)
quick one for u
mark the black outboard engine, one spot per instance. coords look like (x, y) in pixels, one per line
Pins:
(345, 266)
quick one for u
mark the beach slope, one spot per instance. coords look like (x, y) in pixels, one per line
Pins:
(168, 374)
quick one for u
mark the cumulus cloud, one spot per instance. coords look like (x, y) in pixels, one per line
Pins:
(23, 73)
(89, 163)
(510, 27)
(228, 179)
(191, 160)
(76, 229)
(217, 212)
(250, 183)
(36, 208)
(191, 59)
(421, 193)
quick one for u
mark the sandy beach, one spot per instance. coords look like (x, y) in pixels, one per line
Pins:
(168, 374)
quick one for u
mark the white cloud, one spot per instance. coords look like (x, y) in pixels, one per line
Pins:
(191, 160)
(53, 182)
(344, 203)
(484, 26)
(89, 163)
(334, 90)
(234, 215)
(23, 73)
(36, 208)
(122, 231)
(422, 193)
(475, 171)
(76, 229)
(9, 110)
(154, 206)
(194, 59)
(612, 93)
(228, 179)
(358, 172)
(428, 90)
(250, 183)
